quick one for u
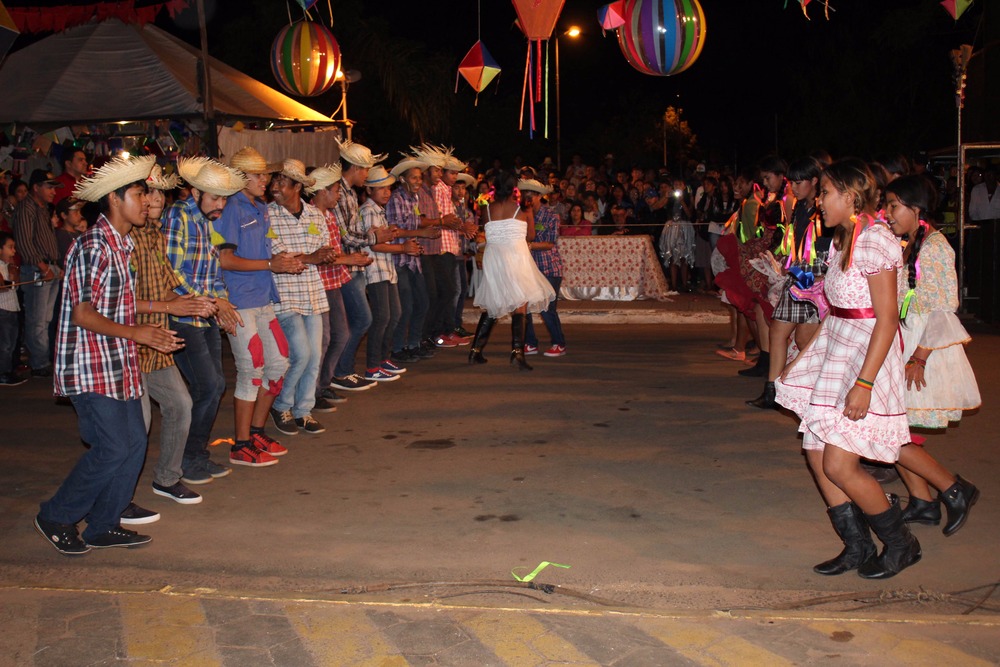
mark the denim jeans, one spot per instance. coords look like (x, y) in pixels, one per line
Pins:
(335, 336)
(200, 362)
(167, 388)
(102, 482)
(39, 309)
(462, 285)
(304, 334)
(384, 299)
(359, 318)
(439, 276)
(8, 340)
(412, 309)
(551, 318)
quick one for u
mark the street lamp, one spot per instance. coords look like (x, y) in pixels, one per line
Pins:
(573, 33)
(346, 78)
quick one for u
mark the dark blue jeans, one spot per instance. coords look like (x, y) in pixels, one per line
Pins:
(336, 333)
(200, 362)
(384, 299)
(439, 276)
(359, 318)
(102, 482)
(551, 318)
(8, 340)
(412, 309)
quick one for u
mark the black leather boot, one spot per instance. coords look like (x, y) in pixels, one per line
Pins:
(482, 336)
(850, 525)
(958, 500)
(517, 323)
(927, 512)
(760, 369)
(766, 400)
(901, 548)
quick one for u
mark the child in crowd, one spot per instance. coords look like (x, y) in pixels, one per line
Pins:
(847, 386)
(8, 314)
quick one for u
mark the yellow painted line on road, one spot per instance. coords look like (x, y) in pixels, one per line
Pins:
(519, 639)
(338, 635)
(165, 628)
(891, 645)
(709, 647)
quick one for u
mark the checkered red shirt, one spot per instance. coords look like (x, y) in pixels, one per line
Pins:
(334, 276)
(98, 271)
(451, 241)
(427, 208)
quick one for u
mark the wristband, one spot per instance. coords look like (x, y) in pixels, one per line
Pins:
(917, 361)
(150, 306)
(864, 384)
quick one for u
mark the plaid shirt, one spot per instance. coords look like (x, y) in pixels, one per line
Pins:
(301, 293)
(334, 276)
(547, 231)
(402, 212)
(98, 272)
(347, 214)
(33, 234)
(154, 281)
(427, 208)
(451, 240)
(193, 255)
(382, 269)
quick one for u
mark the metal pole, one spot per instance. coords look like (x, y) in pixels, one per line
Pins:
(209, 104)
(558, 113)
(961, 209)
(343, 106)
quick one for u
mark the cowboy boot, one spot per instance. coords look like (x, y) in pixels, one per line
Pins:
(766, 400)
(517, 323)
(958, 500)
(850, 525)
(927, 512)
(482, 336)
(901, 548)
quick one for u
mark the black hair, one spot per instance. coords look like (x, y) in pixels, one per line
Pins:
(503, 184)
(68, 155)
(105, 202)
(804, 169)
(773, 164)
(851, 176)
(4, 236)
(896, 164)
(915, 191)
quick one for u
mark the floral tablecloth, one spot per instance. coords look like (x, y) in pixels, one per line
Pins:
(611, 268)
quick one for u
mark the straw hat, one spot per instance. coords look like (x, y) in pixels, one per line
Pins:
(296, 170)
(452, 163)
(436, 156)
(406, 164)
(157, 180)
(210, 176)
(359, 155)
(531, 185)
(249, 161)
(323, 177)
(114, 174)
(378, 177)
(468, 179)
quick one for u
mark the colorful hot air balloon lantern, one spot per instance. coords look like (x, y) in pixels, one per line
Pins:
(537, 19)
(662, 37)
(305, 58)
(478, 67)
(612, 16)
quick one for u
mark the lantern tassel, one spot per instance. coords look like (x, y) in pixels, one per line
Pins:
(546, 89)
(524, 88)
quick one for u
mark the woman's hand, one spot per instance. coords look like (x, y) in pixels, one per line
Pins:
(857, 402)
(915, 376)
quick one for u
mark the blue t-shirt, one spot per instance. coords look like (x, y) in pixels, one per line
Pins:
(245, 228)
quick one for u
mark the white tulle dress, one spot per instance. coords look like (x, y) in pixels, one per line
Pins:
(510, 277)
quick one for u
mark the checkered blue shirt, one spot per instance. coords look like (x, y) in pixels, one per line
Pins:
(547, 231)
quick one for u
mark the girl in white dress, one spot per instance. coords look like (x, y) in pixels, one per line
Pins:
(940, 383)
(847, 385)
(511, 282)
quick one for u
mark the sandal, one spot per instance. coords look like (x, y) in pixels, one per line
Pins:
(732, 353)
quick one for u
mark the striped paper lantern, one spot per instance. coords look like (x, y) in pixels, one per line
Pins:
(662, 37)
(305, 58)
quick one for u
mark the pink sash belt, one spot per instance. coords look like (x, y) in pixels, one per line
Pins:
(853, 313)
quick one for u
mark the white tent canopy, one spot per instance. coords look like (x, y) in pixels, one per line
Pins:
(110, 72)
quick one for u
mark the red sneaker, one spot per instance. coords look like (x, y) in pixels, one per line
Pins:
(251, 455)
(555, 351)
(268, 444)
(444, 341)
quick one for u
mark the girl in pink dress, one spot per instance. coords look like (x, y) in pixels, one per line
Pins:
(848, 385)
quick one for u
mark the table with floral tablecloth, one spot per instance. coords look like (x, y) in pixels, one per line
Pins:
(611, 268)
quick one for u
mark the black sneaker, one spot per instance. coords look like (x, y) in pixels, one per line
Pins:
(422, 352)
(216, 470)
(309, 425)
(284, 422)
(135, 515)
(11, 380)
(119, 537)
(198, 475)
(462, 332)
(352, 382)
(64, 537)
(323, 405)
(178, 492)
(332, 396)
(402, 357)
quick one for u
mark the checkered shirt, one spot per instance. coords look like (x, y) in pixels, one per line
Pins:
(301, 293)
(193, 255)
(155, 280)
(402, 212)
(98, 271)
(547, 231)
(382, 269)
(427, 208)
(347, 214)
(334, 276)
(451, 240)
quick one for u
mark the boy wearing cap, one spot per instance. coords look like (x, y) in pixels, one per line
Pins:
(36, 242)
(71, 225)
(301, 229)
(195, 261)
(243, 236)
(96, 366)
